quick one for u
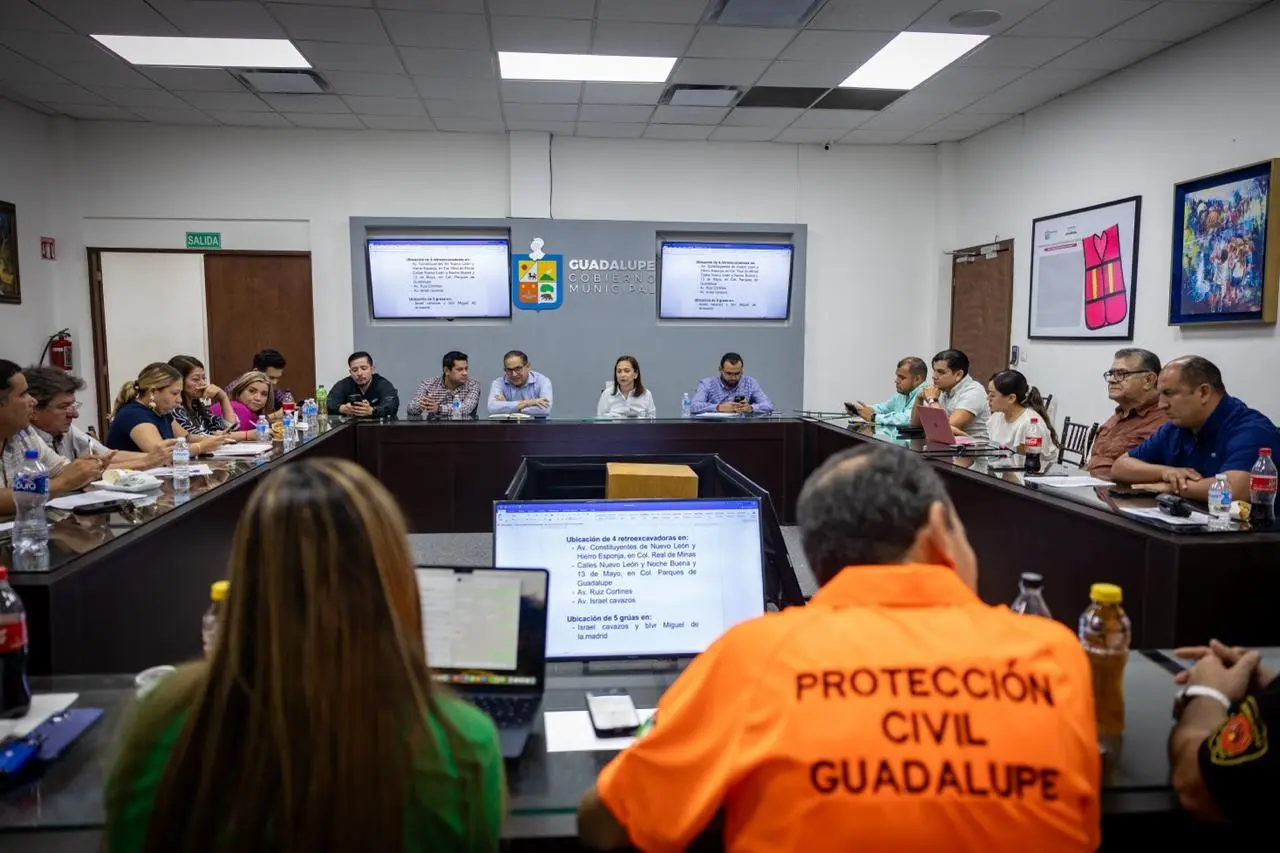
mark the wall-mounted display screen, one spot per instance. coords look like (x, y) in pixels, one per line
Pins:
(725, 281)
(439, 278)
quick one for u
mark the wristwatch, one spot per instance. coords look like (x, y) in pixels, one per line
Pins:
(1186, 694)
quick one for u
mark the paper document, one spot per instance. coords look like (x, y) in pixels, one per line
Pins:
(1196, 519)
(44, 706)
(102, 496)
(1067, 482)
(717, 416)
(192, 470)
(570, 731)
(6, 526)
(245, 449)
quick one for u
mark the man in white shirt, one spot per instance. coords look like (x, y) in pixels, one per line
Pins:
(54, 420)
(957, 393)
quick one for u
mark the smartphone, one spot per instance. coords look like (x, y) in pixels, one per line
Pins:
(740, 399)
(354, 398)
(612, 713)
(100, 509)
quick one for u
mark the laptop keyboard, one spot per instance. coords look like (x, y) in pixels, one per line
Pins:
(507, 711)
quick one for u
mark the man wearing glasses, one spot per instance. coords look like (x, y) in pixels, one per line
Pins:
(1131, 385)
(520, 389)
(54, 420)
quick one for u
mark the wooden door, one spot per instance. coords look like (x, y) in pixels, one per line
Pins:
(982, 307)
(257, 302)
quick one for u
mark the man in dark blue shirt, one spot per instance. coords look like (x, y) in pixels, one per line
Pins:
(1208, 432)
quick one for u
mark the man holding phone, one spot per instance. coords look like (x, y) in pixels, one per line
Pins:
(731, 392)
(365, 393)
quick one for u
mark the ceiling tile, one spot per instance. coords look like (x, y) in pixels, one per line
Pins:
(365, 3)
(58, 93)
(224, 101)
(933, 137)
(874, 137)
(420, 29)
(834, 119)
(938, 18)
(397, 122)
(1177, 21)
(306, 103)
(808, 135)
(660, 11)
(330, 23)
(559, 128)
(1106, 54)
(688, 115)
(27, 17)
(954, 88)
(610, 114)
(381, 85)
(885, 15)
(836, 46)
(1080, 18)
(448, 63)
(134, 17)
(540, 112)
(620, 38)
(678, 131)
(174, 116)
(479, 110)
(744, 134)
(774, 117)
(529, 91)
(223, 19)
(740, 42)
(786, 72)
(541, 35)
(95, 113)
(365, 105)
(104, 74)
(370, 58)
(910, 122)
(323, 120)
(53, 48)
(475, 7)
(133, 98)
(621, 93)
(456, 88)
(1032, 90)
(585, 9)
(1017, 52)
(246, 119)
(15, 68)
(610, 131)
(195, 79)
(470, 125)
(970, 122)
(731, 72)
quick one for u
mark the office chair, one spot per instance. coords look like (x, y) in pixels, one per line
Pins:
(1077, 439)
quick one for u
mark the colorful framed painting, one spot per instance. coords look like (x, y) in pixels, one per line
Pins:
(1226, 247)
(10, 282)
(1084, 273)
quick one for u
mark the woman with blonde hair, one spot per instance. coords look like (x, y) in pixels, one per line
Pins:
(142, 419)
(249, 394)
(315, 724)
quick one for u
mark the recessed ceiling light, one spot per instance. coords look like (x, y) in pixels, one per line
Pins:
(975, 19)
(584, 67)
(910, 59)
(205, 52)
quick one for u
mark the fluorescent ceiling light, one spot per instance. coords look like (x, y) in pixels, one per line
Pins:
(910, 59)
(205, 53)
(585, 67)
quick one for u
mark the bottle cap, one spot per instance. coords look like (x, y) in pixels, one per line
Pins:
(219, 590)
(31, 454)
(4, 573)
(1035, 420)
(1106, 593)
(1032, 579)
(1264, 451)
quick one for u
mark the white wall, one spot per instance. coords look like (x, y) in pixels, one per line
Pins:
(1204, 106)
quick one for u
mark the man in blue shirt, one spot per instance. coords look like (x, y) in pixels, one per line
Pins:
(731, 392)
(1208, 432)
(520, 389)
(908, 379)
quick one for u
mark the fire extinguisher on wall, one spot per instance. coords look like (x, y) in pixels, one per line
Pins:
(59, 348)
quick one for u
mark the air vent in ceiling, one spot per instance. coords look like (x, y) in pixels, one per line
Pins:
(681, 95)
(764, 13)
(283, 82)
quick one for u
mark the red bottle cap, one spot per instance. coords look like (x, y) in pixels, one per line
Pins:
(4, 573)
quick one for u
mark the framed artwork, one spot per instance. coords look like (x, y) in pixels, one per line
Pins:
(1084, 273)
(10, 283)
(1226, 247)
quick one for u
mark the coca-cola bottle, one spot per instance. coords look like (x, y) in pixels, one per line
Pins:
(1035, 447)
(15, 692)
(1262, 492)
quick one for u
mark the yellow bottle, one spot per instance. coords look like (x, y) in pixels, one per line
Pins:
(1105, 633)
(217, 594)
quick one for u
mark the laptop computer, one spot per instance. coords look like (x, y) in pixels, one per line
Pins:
(485, 632)
(937, 430)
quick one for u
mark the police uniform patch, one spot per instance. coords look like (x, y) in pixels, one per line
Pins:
(1241, 738)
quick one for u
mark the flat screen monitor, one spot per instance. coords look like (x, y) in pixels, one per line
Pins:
(438, 279)
(637, 579)
(725, 281)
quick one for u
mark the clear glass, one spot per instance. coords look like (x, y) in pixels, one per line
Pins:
(1030, 600)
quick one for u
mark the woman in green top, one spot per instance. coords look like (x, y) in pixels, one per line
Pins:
(315, 725)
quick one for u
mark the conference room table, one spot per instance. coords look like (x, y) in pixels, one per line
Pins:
(62, 807)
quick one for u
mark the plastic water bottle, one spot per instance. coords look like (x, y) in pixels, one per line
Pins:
(322, 404)
(15, 692)
(1105, 633)
(209, 623)
(31, 527)
(1262, 492)
(181, 466)
(1030, 600)
(289, 426)
(1220, 503)
(686, 407)
(455, 410)
(263, 430)
(1035, 445)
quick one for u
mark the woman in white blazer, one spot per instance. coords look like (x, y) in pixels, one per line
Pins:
(626, 396)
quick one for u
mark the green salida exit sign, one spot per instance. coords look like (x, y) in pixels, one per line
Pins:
(204, 240)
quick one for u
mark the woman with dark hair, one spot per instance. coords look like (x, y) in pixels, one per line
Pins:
(142, 419)
(194, 413)
(315, 724)
(1013, 404)
(626, 396)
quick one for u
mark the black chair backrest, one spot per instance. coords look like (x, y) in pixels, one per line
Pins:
(1077, 440)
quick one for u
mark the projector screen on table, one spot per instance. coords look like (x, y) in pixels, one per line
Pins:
(439, 278)
(725, 281)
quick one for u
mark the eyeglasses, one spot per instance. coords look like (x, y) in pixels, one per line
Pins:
(1122, 374)
(515, 369)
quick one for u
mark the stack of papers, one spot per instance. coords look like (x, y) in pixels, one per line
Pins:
(245, 449)
(192, 470)
(1196, 519)
(570, 731)
(101, 496)
(1067, 482)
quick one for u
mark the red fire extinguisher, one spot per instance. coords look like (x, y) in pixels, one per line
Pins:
(60, 350)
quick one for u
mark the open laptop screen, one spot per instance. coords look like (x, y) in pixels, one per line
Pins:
(485, 627)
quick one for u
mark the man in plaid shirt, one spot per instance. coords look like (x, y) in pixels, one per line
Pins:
(435, 396)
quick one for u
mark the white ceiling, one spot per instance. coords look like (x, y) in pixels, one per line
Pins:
(431, 64)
